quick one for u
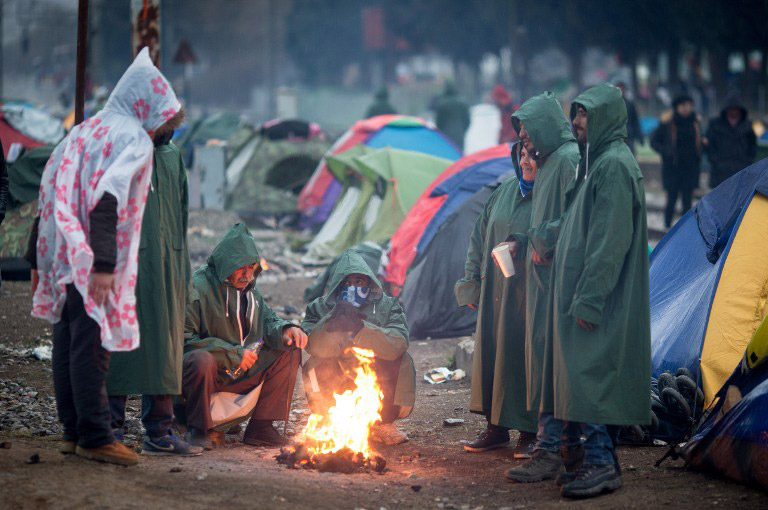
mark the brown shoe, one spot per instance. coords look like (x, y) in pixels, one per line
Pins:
(387, 433)
(67, 447)
(115, 453)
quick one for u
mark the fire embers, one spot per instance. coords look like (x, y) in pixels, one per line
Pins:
(340, 461)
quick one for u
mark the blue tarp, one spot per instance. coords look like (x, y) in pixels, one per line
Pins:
(420, 139)
(460, 188)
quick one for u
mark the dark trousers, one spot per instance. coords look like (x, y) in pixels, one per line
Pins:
(80, 366)
(672, 194)
(156, 413)
(200, 382)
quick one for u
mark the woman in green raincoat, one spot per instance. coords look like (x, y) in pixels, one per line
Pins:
(498, 381)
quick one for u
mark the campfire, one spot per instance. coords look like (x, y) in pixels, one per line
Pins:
(338, 440)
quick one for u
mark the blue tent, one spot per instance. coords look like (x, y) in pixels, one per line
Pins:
(708, 278)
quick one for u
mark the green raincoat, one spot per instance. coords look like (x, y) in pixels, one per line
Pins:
(384, 330)
(161, 287)
(601, 276)
(212, 313)
(452, 115)
(558, 153)
(498, 380)
(380, 105)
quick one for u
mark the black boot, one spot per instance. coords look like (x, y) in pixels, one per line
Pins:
(592, 481)
(492, 437)
(262, 433)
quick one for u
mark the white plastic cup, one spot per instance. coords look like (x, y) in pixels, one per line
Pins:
(503, 259)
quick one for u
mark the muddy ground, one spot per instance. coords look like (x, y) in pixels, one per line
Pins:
(430, 471)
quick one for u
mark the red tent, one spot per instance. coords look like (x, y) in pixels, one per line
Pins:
(9, 135)
(406, 238)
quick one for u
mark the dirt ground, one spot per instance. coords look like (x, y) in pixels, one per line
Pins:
(430, 471)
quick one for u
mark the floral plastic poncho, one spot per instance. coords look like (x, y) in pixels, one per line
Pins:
(110, 152)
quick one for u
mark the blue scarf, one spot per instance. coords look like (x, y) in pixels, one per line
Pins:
(525, 187)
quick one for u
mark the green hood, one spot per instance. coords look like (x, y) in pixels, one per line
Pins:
(606, 116)
(235, 250)
(545, 122)
(351, 262)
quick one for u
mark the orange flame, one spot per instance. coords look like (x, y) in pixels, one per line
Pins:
(348, 423)
(263, 264)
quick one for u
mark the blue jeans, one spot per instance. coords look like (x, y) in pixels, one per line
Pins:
(599, 446)
(156, 413)
(553, 433)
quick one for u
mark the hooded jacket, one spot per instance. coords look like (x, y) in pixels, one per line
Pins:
(498, 381)
(452, 115)
(730, 148)
(601, 277)
(380, 105)
(384, 329)
(558, 157)
(212, 320)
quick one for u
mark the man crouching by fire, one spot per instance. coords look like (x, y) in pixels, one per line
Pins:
(356, 313)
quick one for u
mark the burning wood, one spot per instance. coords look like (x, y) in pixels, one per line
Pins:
(338, 440)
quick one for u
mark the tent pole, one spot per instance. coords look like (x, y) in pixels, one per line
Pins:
(82, 51)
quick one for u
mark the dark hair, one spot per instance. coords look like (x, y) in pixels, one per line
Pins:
(683, 98)
(173, 123)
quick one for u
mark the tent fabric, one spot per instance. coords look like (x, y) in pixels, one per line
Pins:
(25, 173)
(9, 136)
(709, 282)
(396, 131)
(43, 128)
(427, 296)
(407, 236)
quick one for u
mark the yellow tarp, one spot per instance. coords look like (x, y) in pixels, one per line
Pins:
(740, 302)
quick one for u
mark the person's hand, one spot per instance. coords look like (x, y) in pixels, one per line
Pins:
(513, 246)
(100, 286)
(588, 326)
(539, 260)
(295, 336)
(35, 277)
(249, 358)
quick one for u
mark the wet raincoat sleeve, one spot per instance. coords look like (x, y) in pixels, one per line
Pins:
(322, 343)
(389, 341)
(467, 289)
(610, 236)
(227, 355)
(543, 238)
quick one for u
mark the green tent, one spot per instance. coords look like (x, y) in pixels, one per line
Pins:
(380, 187)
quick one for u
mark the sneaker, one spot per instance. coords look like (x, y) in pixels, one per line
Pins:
(542, 465)
(488, 440)
(199, 438)
(262, 433)
(67, 447)
(114, 453)
(526, 441)
(387, 433)
(170, 445)
(573, 458)
(592, 481)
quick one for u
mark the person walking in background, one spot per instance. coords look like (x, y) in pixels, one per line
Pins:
(503, 102)
(452, 114)
(91, 205)
(154, 369)
(634, 129)
(731, 143)
(380, 105)
(678, 140)
(4, 191)
(499, 378)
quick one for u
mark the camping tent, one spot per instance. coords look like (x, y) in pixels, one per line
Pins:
(709, 281)
(28, 126)
(268, 167)
(321, 193)
(441, 199)
(427, 297)
(400, 177)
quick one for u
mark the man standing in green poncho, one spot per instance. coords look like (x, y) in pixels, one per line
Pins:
(600, 363)
(498, 380)
(154, 369)
(543, 128)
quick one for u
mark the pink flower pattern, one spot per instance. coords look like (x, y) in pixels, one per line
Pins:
(169, 113)
(128, 211)
(123, 239)
(61, 193)
(107, 150)
(159, 86)
(141, 109)
(129, 314)
(80, 142)
(42, 246)
(82, 276)
(103, 130)
(95, 179)
(113, 319)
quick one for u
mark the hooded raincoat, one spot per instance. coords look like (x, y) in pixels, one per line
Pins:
(558, 156)
(110, 152)
(161, 289)
(384, 330)
(601, 276)
(498, 380)
(452, 115)
(212, 310)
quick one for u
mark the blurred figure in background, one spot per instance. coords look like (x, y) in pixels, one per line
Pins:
(452, 114)
(503, 102)
(380, 105)
(634, 130)
(731, 142)
(678, 141)
(3, 189)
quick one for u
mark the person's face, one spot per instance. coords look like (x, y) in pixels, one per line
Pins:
(525, 138)
(243, 277)
(684, 109)
(733, 114)
(528, 165)
(580, 125)
(357, 280)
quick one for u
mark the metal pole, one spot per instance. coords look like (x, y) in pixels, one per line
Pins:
(82, 52)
